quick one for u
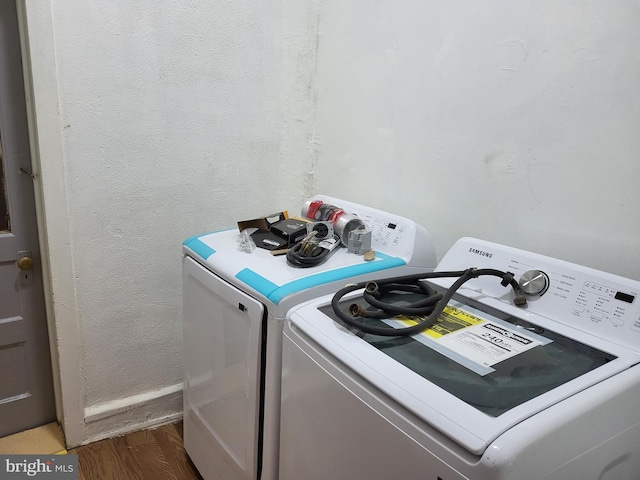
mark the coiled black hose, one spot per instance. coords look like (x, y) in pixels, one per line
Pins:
(431, 305)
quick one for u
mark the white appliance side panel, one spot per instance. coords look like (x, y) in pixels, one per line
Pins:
(593, 434)
(222, 337)
(333, 426)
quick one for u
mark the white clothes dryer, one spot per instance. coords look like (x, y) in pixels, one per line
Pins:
(234, 309)
(492, 391)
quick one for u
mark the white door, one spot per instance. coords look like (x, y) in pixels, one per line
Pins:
(26, 388)
(223, 337)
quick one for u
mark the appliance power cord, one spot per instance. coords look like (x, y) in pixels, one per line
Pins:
(308, 253)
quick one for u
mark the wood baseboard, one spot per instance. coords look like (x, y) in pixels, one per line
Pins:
(114, 418)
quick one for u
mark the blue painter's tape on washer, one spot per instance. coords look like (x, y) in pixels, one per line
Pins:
(199, 247)
(276, 293)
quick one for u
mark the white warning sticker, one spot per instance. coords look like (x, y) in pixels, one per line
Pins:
(472, 338)
(488, 343)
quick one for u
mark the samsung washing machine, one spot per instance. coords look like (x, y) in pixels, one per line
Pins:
(546, 389)
(234, 309)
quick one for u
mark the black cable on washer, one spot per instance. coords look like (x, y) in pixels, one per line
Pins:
(431, 305)
(307, 254)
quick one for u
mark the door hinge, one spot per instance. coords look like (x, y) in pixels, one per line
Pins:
(32, 175)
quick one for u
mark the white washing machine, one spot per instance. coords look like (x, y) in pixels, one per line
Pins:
(234, 308)
(493, 391)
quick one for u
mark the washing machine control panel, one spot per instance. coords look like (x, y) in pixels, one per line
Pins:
(392, 234)
(387, 233)
(599, 303)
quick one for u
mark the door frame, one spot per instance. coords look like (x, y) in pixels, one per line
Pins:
(50, 191)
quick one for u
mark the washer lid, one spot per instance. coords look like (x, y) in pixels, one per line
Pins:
(476, 374)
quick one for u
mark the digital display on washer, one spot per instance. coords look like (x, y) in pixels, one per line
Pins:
(548, 362)
(625, 297)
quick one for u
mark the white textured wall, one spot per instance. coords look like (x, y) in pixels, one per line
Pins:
(515, 122)
(175, 118)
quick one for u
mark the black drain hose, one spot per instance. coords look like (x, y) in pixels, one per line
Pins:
(431, 305)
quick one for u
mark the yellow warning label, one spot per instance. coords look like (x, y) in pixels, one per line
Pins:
(450, 320)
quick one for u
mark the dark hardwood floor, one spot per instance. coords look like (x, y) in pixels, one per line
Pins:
(156, 454)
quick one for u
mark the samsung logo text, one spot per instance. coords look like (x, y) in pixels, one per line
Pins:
(482, 253)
